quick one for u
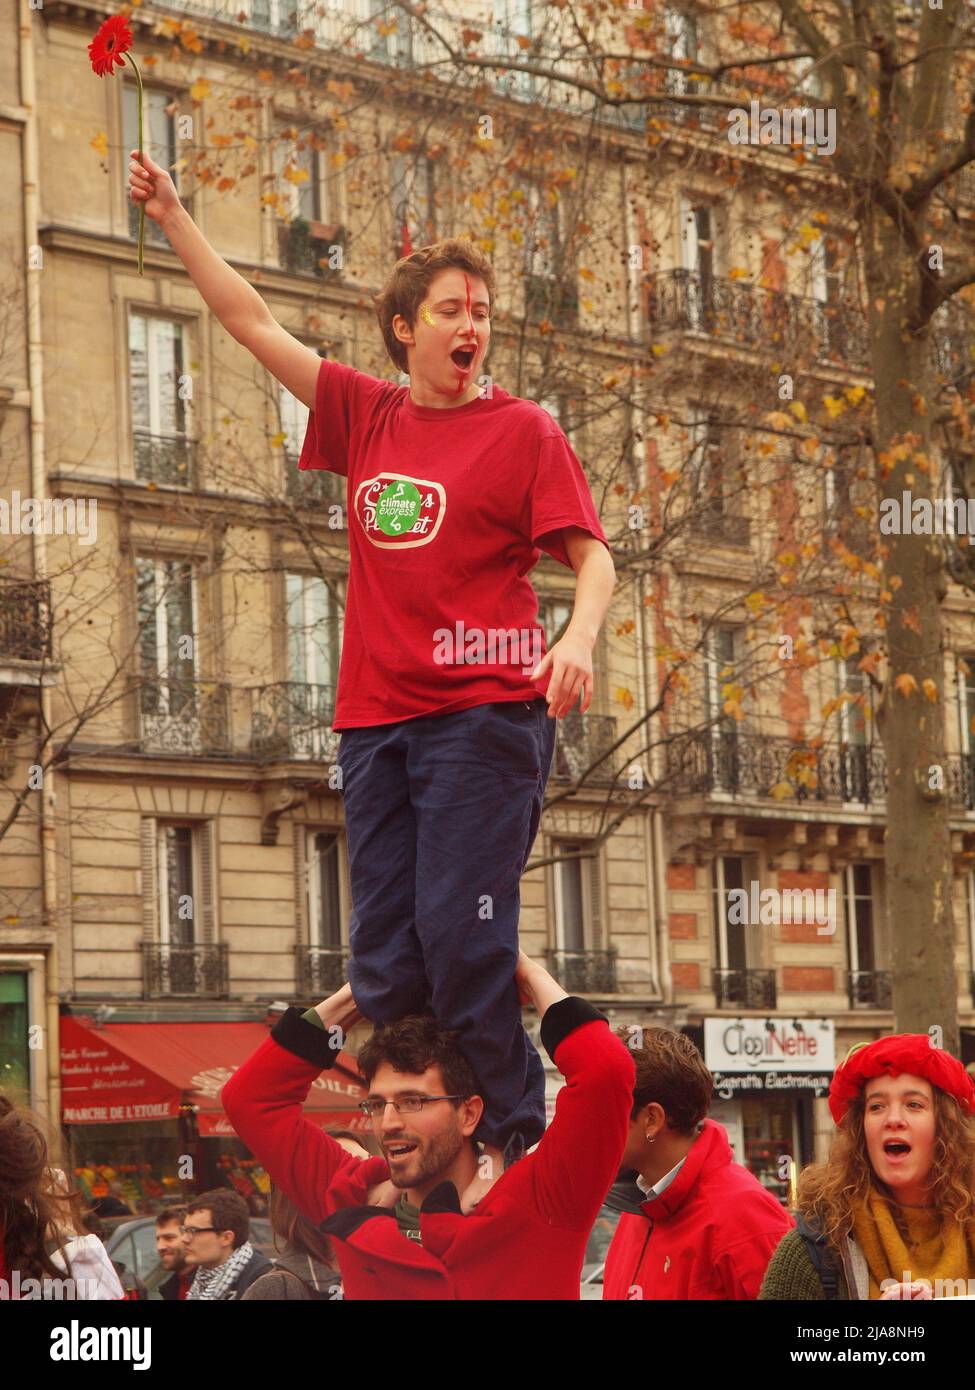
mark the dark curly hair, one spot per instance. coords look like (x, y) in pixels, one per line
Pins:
(415, 1043)
(411, 277)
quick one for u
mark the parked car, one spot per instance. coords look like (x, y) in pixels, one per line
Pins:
(131, 1243)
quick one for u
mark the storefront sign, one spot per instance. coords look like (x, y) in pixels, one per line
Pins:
(770, 1044)
(727, 1087)
(100, 1085)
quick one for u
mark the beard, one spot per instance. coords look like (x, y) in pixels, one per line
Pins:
(430, 1159)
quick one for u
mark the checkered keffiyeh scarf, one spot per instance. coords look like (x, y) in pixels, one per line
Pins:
(214, 1284)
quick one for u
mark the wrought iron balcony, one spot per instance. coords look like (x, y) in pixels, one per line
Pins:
(293, 719)
(25, 620)
(319, 970)
(311, 485)
(197, 971)
(549, 297)
(770, 320)
(166, 460)
(184, 716)
(584, 972)
(580, 739)
(304, 245)
(744, 989)
(751, 765)
(870, 989)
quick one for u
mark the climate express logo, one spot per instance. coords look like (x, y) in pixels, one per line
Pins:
(398, 512)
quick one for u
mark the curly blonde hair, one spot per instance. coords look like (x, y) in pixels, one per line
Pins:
(830, 1193)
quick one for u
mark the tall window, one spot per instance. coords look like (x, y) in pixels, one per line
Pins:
(324, 897)
(543, 238)
(966, 723)
(867, 987)
(177, 906)
(853, 688)
(680, 31)
(167, 652)
(159, 401)
(702, 259)
(396, 44)
(721, 662)
(159, 142)
(412, 199)
(830, 320)
(273, 16)
(512, 21)
(295, 163)
(738, 945)
(707, 477)
(314, 643)
(578, 921)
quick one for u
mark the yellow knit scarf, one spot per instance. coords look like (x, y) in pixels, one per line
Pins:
(936, 1248)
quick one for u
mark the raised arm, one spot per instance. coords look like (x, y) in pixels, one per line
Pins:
(264, 1098)
(236, 304)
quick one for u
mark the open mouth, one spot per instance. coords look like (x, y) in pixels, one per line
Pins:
(463, 357)
(398, 1151)
(896, 1148)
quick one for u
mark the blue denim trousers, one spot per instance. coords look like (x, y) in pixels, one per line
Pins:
(441, 813)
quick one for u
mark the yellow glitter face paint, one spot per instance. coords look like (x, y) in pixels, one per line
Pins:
(427, 317)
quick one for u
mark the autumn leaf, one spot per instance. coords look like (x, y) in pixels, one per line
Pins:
(278, 439)
(199, 89)
(625, 698)
(835, 405)
(737, 272)
(798, 410)
(855, 394)
(658, 349)
(906, 684)
(930, 690)
(781, 790)
(225, 183)
(778, 420)
(100, 144)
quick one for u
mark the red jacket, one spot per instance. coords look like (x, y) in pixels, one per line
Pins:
(526, 1238)
(709, 1235)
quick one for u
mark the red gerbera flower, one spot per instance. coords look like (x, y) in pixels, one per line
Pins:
(110, 44)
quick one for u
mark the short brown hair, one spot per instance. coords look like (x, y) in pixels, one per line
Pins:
(228, 1212)
(670, 1071)
(410, 278)
(168, 1215)
(415, 1043)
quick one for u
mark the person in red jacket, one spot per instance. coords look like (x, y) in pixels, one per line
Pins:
(706, 1228)
(524, 1239)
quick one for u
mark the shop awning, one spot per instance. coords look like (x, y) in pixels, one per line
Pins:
(146, 1071)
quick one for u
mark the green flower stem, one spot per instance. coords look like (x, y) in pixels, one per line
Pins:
(142, 201)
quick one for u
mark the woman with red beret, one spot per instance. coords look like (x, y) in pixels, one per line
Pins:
(891, 1213)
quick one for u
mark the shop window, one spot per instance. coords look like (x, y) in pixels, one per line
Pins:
(14, 1037)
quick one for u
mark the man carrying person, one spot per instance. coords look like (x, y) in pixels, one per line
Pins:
(526, 1238)
(445, 703)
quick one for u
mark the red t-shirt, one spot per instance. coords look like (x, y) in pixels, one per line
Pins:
(448, 511)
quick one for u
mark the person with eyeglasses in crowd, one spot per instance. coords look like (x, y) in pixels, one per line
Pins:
(216, 1233)
(406, 1225)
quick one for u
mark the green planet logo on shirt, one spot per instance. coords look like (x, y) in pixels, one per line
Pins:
(398, 508)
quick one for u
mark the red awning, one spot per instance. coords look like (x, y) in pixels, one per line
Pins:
(145, 1071)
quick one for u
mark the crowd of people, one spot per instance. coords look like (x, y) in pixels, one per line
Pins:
(412, 1208)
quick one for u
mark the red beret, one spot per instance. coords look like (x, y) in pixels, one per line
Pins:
(912, 1053)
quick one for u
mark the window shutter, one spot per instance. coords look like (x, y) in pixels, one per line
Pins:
(150, 881)
(206, 919)
(595, 903)
(300, 884)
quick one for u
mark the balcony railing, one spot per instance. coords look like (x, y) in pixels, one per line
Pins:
(292, 719)
(312, 485)
(309, 248)
(870, 989)
(584, 972)
(744, 989)
(184, 716)
(319, 970)
(752, 765)
(166, 460)
(580, 739)
(197, 971)
(25, 620)
(696, 302)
